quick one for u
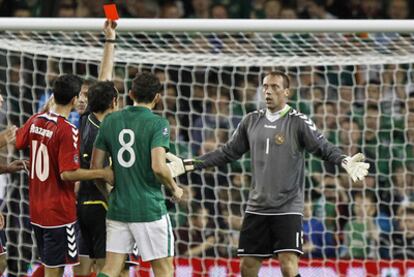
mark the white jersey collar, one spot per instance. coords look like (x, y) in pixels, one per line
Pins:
(272, 117)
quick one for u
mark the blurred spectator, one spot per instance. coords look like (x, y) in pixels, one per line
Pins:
(217, 116)
(246, 95)
(87, 8)
(236, 8)
(201, 9)
(66, 8)
(400, 243)
(402, 189)
(361, 231)
(350, 135)
(257, 9)
(178, 145)
(195, 239)
(370, 9)
(328, 206)
(325, 119)
(141, 9)
(376, 144)
(346, 101)
(170, 10)
(170, 100)
(219, 11)
(230, 236)
(317, 242)
(315, 9)
(272, 9)
(288, 13)
(22, 10)
(398, 9)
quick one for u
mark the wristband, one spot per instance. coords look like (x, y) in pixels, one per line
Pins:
(110, 40)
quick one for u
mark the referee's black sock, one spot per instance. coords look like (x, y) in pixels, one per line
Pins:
(297, 275)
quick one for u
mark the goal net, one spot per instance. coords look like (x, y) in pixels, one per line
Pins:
(357, 87)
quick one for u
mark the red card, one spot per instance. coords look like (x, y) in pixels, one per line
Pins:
(110, 12)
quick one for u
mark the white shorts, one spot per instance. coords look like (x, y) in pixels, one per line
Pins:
(155, 240)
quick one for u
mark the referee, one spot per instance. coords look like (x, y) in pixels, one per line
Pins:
(277, 138)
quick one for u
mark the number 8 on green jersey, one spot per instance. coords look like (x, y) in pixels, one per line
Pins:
(128, 136)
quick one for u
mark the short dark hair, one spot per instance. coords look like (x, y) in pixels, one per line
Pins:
(145, 86)
(65, 88)
(101, 95)
(286, 80)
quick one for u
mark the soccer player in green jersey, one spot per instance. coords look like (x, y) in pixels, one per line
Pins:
(137, 141)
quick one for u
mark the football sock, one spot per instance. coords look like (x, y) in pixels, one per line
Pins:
(100, 274)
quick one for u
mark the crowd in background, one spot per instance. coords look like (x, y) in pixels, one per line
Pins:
(261, 9)
(368, 109)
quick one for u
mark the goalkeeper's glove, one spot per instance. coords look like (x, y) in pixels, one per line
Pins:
(178, 166)
(355, 166)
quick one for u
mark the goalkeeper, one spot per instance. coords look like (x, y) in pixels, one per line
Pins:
(277, 138)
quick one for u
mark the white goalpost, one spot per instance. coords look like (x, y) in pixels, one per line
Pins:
(354, 78)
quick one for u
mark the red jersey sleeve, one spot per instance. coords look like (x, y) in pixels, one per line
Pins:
(68, 149)
(22, 135)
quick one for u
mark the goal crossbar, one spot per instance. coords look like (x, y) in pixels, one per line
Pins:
(208, 25)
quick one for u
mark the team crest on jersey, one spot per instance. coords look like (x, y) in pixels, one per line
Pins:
(279, 138)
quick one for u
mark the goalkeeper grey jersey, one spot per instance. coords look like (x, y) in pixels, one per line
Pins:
(277, 152)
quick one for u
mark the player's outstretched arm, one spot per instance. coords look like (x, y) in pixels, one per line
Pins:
(107, 62)
(81, 174)
(163, 173)
(355, 166)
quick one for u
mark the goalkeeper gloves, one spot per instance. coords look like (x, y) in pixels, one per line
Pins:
(178, 166)
(355, 166)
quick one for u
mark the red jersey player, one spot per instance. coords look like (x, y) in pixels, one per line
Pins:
(54, 166)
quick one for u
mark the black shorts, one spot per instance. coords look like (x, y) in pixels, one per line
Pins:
(58, 246)
(92, 218)
(267, 235)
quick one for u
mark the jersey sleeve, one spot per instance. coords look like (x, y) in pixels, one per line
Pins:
(100, 141)
(231, 151)
(161, 134)
(315, 143)
(68, 149)
(22, 135)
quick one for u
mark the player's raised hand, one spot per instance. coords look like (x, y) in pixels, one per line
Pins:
(355, 166)
(177, 165)
(109, 29)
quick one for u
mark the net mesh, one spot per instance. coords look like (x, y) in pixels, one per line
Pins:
(358, 89)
